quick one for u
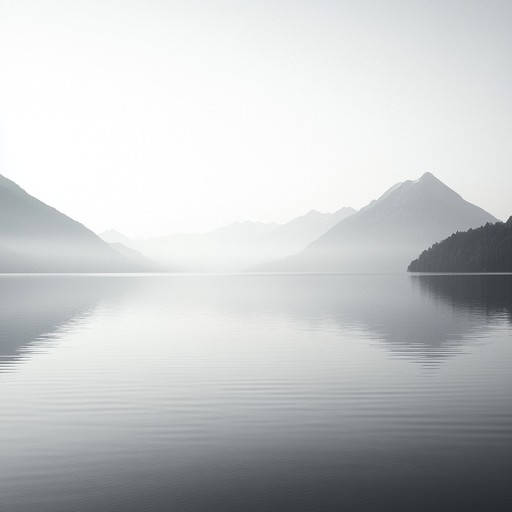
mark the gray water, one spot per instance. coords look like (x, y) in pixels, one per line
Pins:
(255, 393)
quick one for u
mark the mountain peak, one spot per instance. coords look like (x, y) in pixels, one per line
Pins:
(408, 217)
(427, 176)
(313, 213)
(430, 186)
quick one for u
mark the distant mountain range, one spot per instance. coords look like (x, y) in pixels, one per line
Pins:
(293, 236)
(484, 249)
(389, 232)
(35, 237)
(235, 247)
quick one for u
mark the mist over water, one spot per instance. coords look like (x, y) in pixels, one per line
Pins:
(276, 392)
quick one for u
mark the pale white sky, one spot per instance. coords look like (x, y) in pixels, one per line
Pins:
(158, 116)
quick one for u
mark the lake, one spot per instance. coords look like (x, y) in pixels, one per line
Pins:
(255, 393)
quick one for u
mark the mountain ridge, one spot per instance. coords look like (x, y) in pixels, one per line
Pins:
(385, 235)
(234, 247)
(407, 217)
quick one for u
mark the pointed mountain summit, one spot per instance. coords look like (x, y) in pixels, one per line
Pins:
(390, 231)
(35, 237)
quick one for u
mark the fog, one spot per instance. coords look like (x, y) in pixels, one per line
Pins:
(157, 117)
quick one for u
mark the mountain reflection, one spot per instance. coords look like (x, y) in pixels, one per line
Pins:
(423, 318)
(480, 294)
(420, 318)
(441, 314)
(34, 307)
(427, 318)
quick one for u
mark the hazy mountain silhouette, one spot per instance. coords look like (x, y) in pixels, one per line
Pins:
(111, 236)
(135, 258)
(389, 232)
(234, 247)
(228, 248)
(35, 237)
(126, 247)
(295, 235)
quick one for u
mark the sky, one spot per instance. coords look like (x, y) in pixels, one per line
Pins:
(156, 116)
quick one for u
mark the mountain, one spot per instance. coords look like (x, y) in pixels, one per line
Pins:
(385, 235)
(485, 249)
(35, 237)
(235, 247)
(295, 235)
(111, 236)
(229, 248)
(135, 258)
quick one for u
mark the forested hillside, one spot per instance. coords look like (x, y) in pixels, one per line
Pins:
(484, 249)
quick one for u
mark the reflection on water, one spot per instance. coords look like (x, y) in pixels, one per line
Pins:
(262, 393)
(424, 317)
(33, 308)
(449, 313)
(489, 295)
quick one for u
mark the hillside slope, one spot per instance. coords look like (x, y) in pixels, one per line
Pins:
(35, 237)
(485, 249)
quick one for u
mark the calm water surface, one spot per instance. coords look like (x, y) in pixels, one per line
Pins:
(255, 393)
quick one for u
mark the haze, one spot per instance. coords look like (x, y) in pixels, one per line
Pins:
(155, 117)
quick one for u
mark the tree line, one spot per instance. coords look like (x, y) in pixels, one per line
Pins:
(484, 249)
